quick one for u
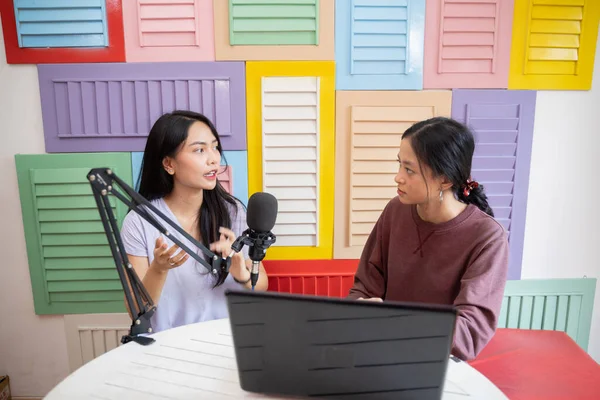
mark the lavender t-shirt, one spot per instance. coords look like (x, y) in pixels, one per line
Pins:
(188, 295)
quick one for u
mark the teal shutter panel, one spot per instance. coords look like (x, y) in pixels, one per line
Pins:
(273, 22)
(550, 304)
(61, 23)
(70, 262)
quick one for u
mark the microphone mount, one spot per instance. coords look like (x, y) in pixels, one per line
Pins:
(258, 243)
(105, 182)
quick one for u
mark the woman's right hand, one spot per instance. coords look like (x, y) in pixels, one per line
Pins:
(375, 299)
(166, 259)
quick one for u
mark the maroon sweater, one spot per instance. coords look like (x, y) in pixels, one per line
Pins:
(462, 262)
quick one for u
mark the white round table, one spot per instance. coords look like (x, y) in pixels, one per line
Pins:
(198, 362)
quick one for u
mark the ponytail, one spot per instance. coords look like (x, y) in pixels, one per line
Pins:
(473, 193)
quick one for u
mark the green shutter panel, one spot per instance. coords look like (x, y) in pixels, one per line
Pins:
(550, 304)
(273, 22)
(71, 266)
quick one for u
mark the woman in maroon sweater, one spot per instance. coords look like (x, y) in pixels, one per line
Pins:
(437, 242)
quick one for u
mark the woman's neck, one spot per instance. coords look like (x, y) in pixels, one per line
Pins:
(438, 212)
(185, 203)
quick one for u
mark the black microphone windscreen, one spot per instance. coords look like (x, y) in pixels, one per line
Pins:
(262, 212)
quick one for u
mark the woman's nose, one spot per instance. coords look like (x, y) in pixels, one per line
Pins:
(398, 179)
(215, 157)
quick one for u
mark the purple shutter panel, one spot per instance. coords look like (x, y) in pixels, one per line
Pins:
(502, 121)
(111, 107)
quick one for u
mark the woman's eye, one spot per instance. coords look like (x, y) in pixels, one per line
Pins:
(199, 150)
(410, 171)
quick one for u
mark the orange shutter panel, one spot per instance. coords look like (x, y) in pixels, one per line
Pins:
(369, 126)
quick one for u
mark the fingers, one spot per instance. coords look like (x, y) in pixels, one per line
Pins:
(223, 246)
(375, 299)
(228, 233)
(160, 242)
(169, 253)
(178, 259)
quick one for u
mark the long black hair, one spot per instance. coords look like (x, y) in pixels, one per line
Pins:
(166, 137)
(446, 146)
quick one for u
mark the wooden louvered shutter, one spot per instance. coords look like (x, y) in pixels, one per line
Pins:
(503, 125)
(565, 305)
(112, 107)
(290, 156)
(379, 44)
(369, 126)
(71, 266)
(61, 23)
(274, 30)
(283, 22)
(225, 177)
(290, 142)
(62, 31)
(169, 30)
(554, 44)
(468, 43)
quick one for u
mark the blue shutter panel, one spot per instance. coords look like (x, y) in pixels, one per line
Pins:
(379, 44)
(61, 23)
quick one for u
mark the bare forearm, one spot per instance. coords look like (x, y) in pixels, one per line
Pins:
(262, 284)
(243, 275)
(154, 281)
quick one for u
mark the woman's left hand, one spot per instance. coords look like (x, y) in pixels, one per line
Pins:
(238, 265)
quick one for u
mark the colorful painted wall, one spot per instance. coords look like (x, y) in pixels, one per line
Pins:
(310, 98)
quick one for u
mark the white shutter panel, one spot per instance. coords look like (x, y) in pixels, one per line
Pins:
(290, 139)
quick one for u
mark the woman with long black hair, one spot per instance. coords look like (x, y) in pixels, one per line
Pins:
(179, 177)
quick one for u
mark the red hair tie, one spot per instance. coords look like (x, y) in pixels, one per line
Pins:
(469, 186)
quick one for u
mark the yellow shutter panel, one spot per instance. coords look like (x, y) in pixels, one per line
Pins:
(554, 44)
(290, 121)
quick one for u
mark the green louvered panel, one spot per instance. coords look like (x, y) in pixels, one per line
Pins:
(273, 22)
(550, 304)
(71, 266)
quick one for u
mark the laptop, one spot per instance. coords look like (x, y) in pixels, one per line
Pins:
(332, 348)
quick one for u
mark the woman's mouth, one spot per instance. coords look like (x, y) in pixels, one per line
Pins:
(211, 175)
(401, 193)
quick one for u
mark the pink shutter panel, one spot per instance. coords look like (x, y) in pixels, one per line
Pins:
(168, 30)
(225, 177)
(467, 43)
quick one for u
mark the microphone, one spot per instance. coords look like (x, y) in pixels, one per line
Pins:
(260, 218)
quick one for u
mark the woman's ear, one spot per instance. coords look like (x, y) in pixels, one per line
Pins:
(168, 165)
(445, 183)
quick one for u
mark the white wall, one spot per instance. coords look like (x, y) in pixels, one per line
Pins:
(563, 213)
(33, 349)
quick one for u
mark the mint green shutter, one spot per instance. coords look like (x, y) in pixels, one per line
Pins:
(71, 266)
(550, 304)
(273, 22)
